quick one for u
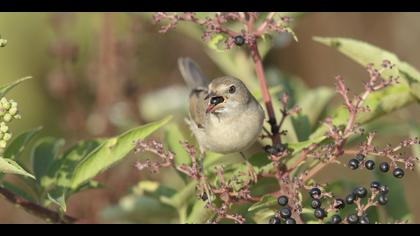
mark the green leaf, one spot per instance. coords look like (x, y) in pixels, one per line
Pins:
(314, 103)
(173, 137)
(111, 151)
(263, 216)
(60, 174)
(138, 209)
(361, 52)
(267, 201)
(59, 199)
(199, 213)
(57, 181)
(364, 53)
(18, 144)
(44, 153)
(143, 194)
(302, 126)
(6, 88)
(11, 167)
(89, 185)
(182, 198)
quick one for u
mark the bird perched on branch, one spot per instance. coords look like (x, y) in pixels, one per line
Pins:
(224, 116)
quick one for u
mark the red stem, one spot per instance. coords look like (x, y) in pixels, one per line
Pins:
(256, 57)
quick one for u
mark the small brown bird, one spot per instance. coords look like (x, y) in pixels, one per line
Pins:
(224, 116)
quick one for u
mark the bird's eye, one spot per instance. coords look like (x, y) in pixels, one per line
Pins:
(232, 89)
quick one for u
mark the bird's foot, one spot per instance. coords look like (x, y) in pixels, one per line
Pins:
(252, 173)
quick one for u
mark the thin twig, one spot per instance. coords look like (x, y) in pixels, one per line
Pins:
(35, 209)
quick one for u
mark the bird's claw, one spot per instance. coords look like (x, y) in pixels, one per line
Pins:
(252, 173)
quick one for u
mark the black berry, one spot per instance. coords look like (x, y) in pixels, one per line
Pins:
(383, 199)
(315, 193)
(361, 192)
(351, 198)
(370, 165)
(239, 40)
(375, 185)
(364, 220)
(320, 213)
(339, 203)
(204, 197)
(281, 147)
(336, 219)
(353, 219)
(274, 221)
(216, 100)
(285, 212)
(384, 167)
(353, 164)
(315, 203)
(384, 189)
(270, 149)
(398, 173)
(360, 157)
(282, 200)
(290, 221)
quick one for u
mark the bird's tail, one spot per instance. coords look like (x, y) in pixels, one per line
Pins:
(193, 76)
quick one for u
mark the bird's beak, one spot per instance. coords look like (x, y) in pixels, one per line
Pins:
(212, 107)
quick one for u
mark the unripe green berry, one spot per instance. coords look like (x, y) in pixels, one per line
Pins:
(17, 117)
(4, 129)
(7, 136)
(6, 105)
(3, 43)
(13, 111)
(3, 100)
(7, 117)
(3, 143)
(13, 103)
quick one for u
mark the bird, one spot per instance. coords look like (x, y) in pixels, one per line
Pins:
(224, 116)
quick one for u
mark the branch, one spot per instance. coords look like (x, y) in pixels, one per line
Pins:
(256, 57)
(35, 209)
(264, 25)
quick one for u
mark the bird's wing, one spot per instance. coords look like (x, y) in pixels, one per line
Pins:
(197, 82)
(193, 76)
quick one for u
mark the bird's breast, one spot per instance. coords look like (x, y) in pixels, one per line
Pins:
(227, 134)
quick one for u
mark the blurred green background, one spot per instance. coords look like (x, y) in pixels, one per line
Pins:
(98, 74)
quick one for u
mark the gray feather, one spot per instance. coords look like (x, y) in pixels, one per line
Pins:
(193, 76)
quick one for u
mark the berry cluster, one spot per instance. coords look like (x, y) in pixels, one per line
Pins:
(284, 214)
(274, 150)
(384, 167)
(8, 112)
(378, 196)
(315, 194)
